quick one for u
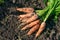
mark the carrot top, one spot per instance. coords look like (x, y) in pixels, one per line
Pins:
(52, 8)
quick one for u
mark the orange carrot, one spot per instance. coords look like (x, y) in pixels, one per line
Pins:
(42, 27)
(30, 25)
(24, 20)
(25, 16)
(32, 30)
(34, 17)
(31, 19)
(21, 18)
(27, 10)
(19, 9)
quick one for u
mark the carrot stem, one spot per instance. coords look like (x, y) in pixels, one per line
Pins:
(50, 11)
(48, 14)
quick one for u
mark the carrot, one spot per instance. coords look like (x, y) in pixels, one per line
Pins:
(25, 16)
(34, 17)
(26, 10)
(30, 25)
(31, 19)
(42, 27)
(24, 20)
(19, 9)
(32, 30)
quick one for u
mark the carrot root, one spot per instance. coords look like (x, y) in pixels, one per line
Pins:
(42, 27)
(32, 30)
(19, 9)
(30, 25)
(27, 10)
(25, 15)
(34, 17)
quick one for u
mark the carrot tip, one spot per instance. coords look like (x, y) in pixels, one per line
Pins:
(36, 36)
(28, 34)
(19, 9)
(24, 28)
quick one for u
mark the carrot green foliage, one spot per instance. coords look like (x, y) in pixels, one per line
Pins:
(1, 1)
(52, 8)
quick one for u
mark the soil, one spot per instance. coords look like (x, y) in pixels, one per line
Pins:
(9, 23)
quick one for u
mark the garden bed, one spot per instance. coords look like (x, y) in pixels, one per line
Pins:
(9, 22)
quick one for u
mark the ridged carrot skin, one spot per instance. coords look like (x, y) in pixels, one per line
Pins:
(26, 15)
(21, 17)
(34, 17)
(31, 24)
(33, 29)
(24, 20)
(31, 19)
(42, 27)
(26, 10)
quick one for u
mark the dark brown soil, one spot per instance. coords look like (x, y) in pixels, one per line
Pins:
(9, 23)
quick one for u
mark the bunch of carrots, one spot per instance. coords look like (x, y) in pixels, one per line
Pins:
(31, 19)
